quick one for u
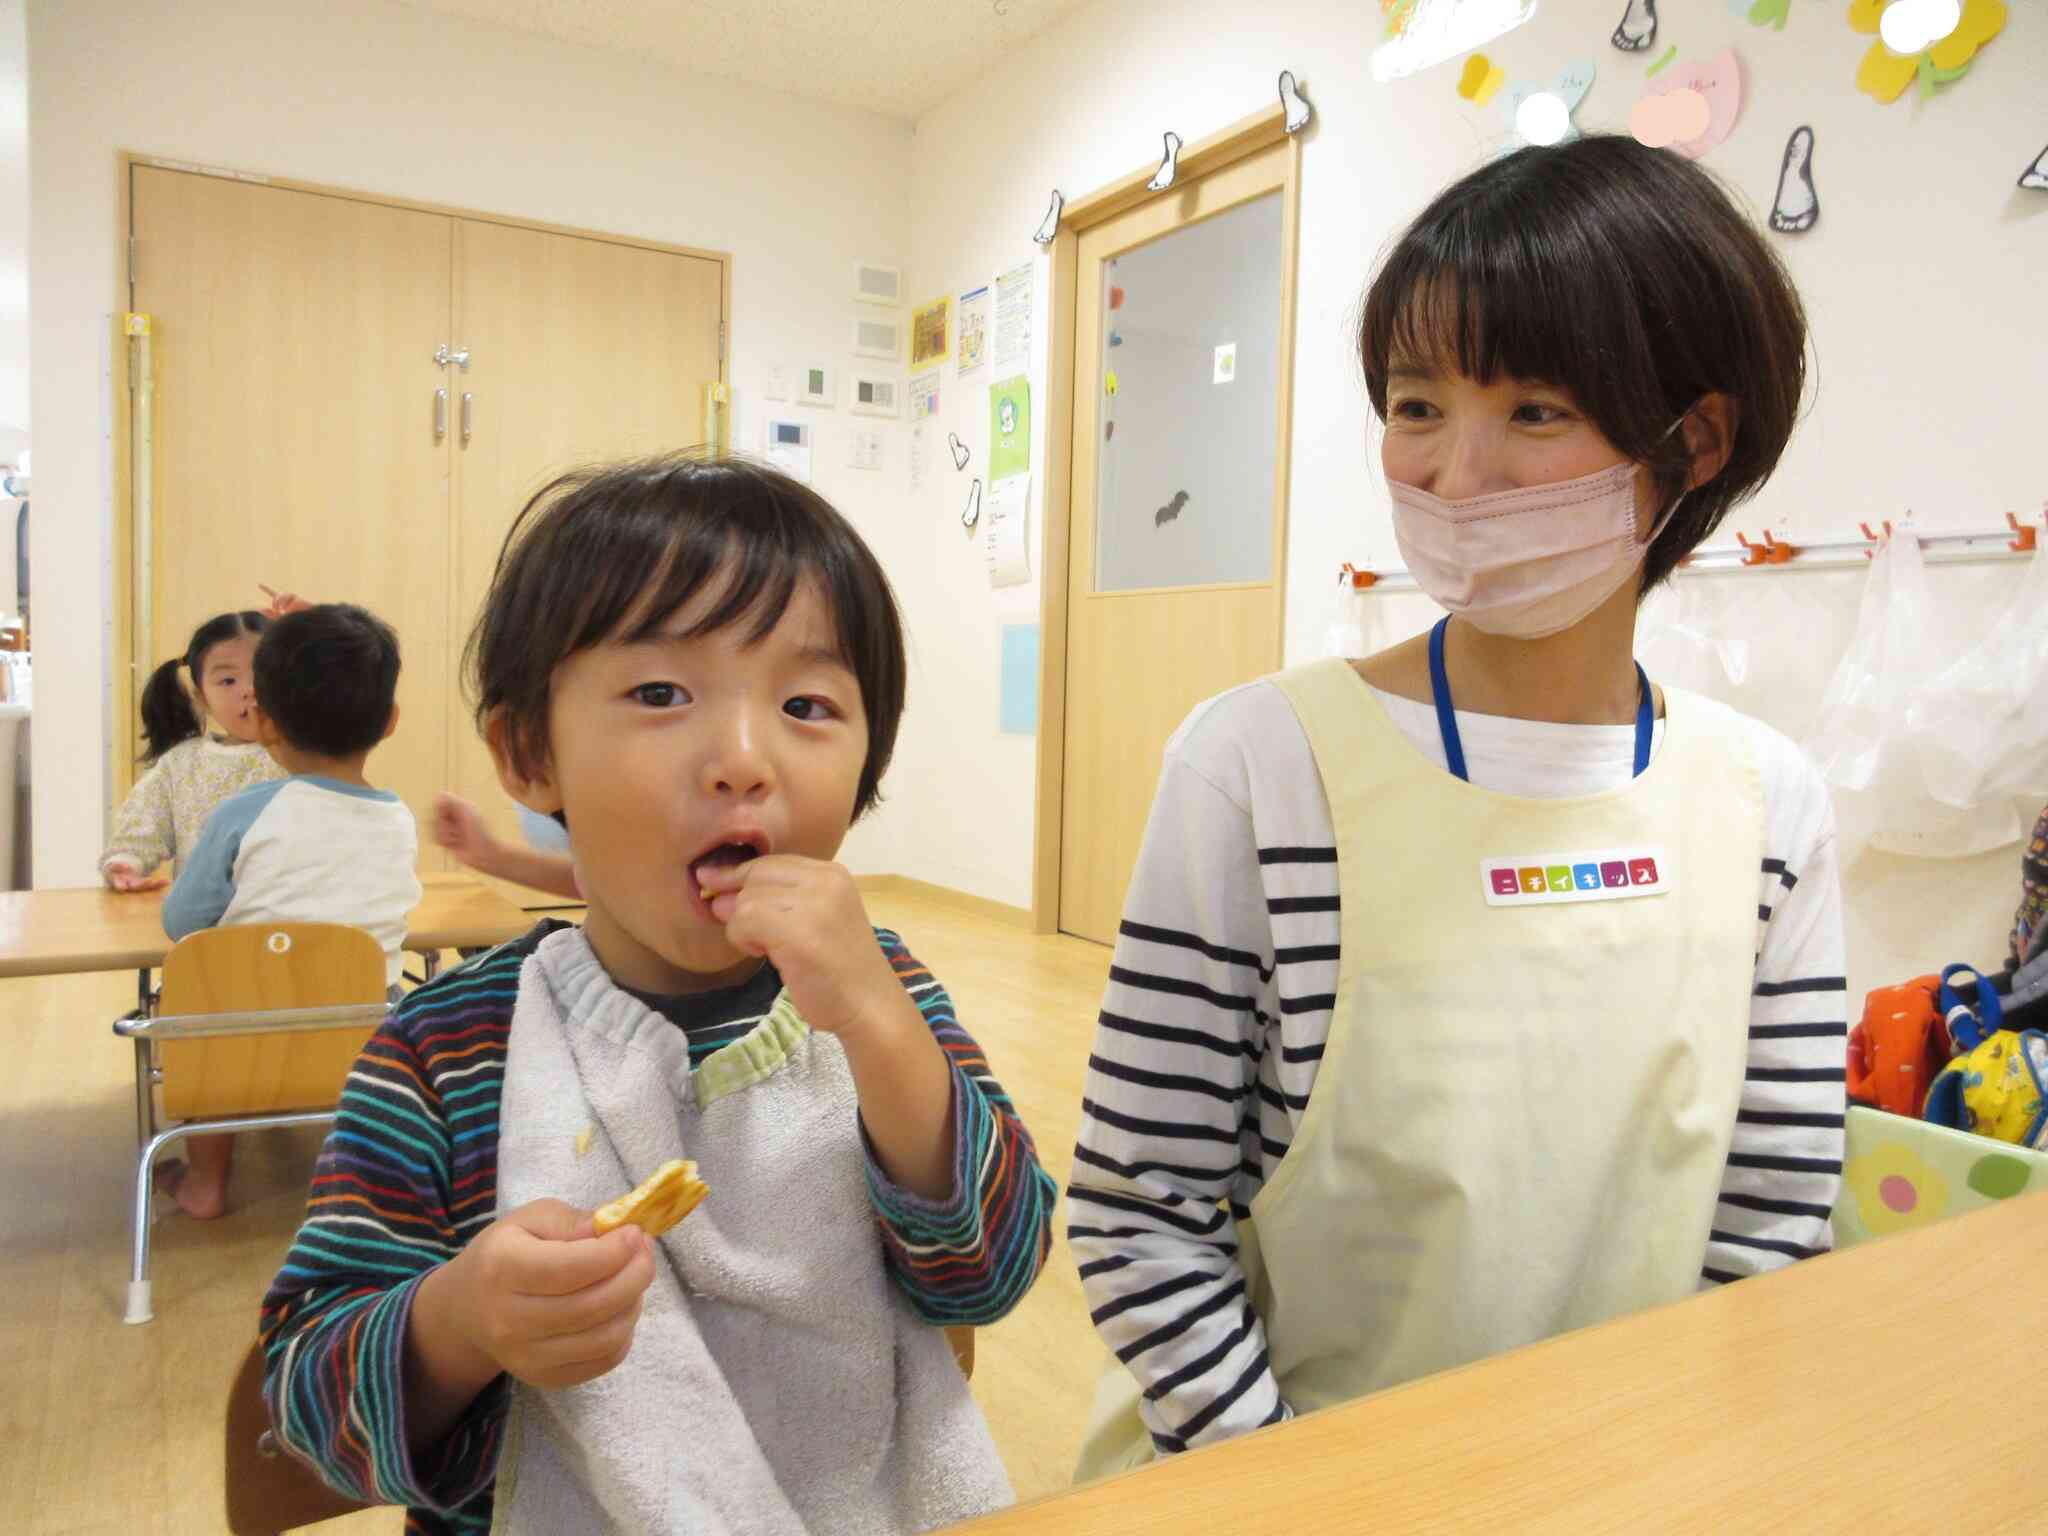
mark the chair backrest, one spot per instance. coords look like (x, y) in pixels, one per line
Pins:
(962, 1340)
(259, 967)
(268, 1490)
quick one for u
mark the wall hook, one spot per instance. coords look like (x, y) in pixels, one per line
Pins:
(1770, 552)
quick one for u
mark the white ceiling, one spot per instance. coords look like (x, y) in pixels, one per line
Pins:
(896, 57)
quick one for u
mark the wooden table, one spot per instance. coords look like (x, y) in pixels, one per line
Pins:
(1880, 1389)
(49, 933)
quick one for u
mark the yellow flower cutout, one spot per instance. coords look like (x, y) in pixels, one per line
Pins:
(1895, 1189)
(1884, 75)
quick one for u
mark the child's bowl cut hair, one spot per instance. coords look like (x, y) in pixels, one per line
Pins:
(614, 551)
(1623, 274)
(328, 677)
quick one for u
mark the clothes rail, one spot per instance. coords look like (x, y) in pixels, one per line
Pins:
(1951, 547)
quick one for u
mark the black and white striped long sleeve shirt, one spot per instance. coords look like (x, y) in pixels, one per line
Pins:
(1218, 1006)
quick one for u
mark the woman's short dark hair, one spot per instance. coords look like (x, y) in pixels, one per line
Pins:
(1623, 274)
(614, 551)
(327, 676)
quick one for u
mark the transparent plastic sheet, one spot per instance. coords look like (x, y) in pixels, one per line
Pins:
(1981, 727)
(1684, 638)
(1762, 642)
(1863, 744)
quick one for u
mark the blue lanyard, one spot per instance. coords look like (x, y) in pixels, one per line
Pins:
(1447, 720)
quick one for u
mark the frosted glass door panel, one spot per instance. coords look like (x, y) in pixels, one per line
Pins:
(1190, 377)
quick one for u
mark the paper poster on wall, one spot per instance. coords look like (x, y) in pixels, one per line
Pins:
(973, 328)
(1004, 511)
(1637, 30)
(1797, 207)
(1019, 711)
(928, 332)
(1712, 86)
(1481, 79)
(1009, 427)
(924, 395)
(2035, 177)
(1417, 34)
(1931, 41)
(920, 456)
(1298, 110)
(1013, 319)
(1540, 112)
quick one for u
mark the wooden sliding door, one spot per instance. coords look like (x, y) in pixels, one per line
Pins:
(352, 399)
(580, 351)
(294, 423)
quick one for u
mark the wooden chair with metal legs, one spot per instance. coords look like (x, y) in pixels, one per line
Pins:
(270, 1491)
(257, 1027)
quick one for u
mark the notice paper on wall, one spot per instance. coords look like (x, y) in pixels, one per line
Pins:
(1009, 428)
(1018, 715)
(920, 456)
(1013, 320)
(973, 332)
(1004, 512)
(924, 395)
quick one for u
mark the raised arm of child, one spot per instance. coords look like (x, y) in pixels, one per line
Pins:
(459, 827)
(964, 1207)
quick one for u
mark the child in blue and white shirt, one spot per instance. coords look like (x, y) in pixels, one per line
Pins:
(322, 846)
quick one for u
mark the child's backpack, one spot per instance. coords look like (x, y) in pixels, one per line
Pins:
(1997, 1086)
(1899, 1048)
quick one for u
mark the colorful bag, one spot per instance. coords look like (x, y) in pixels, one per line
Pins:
(1998, 1085)
(1899, 1048)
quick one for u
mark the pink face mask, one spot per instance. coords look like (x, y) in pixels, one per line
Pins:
(1525, 563)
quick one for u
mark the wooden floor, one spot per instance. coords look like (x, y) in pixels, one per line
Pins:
(108, 1428)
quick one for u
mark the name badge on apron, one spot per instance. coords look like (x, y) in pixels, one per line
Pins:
(1600, 874)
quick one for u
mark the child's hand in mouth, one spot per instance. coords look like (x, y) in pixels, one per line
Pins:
(725, 855)
(807, 917)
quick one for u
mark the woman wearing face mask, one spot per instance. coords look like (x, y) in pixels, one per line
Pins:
(1481, 989)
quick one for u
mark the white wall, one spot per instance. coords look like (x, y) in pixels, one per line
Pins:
(392, 99)
(14, 420)
(1928, 332)
(1923, 280)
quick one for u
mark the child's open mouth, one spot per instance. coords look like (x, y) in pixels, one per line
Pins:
(724, 856)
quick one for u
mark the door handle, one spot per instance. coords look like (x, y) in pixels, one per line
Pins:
(440, 414)
(468, 416)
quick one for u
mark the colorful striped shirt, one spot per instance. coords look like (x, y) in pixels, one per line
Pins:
(409, 1176)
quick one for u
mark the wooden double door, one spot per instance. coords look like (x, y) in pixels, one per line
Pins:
(352, 400)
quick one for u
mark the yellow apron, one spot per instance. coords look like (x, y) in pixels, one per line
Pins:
(1522, 1116)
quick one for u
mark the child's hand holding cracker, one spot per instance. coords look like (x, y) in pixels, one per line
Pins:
(807, 917)
(535, 1296)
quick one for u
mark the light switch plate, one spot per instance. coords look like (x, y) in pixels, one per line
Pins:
(866, 449)
(816, 385)
(878, 335)
(876, 284)
(786, 445)
(873, 394)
